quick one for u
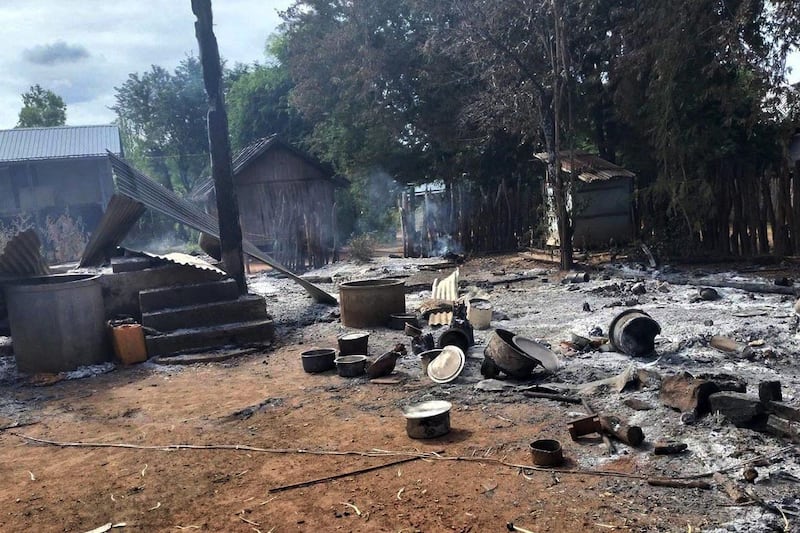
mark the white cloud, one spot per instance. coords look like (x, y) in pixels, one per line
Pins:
(118, 38)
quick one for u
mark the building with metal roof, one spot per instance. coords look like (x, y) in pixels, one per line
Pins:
(49, 172)
(26, 144)
(600, 200)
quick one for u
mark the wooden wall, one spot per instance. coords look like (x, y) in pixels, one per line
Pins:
(286, 205)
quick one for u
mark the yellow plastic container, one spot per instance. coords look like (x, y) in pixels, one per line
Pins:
(128, 341)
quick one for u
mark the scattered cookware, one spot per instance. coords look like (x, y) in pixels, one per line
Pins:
(412, 330)
(547, 452)
(399, 320)
(428, 420)
(479, 313)
(353, 343)
(447, 366)
(507, 357)
(538, 351)
(350, 366)
(427, 356)
(318, 360)
(633, 332)
(371, 302)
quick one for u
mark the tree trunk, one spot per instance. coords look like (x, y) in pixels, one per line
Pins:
(230, 232)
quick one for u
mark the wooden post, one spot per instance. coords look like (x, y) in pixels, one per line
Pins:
(230, 231)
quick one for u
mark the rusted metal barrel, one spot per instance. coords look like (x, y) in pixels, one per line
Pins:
(371, 302)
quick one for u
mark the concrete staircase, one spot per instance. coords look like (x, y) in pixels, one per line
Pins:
(202, 316)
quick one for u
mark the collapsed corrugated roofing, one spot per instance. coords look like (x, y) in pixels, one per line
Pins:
(22, 144)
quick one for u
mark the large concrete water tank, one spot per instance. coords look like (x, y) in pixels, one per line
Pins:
(57, 323)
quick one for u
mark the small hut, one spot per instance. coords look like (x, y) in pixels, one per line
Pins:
(601, 201)
(286, 202)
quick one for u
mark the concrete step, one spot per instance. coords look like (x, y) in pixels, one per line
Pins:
(182, 340)
(245, 309)
(184, 295)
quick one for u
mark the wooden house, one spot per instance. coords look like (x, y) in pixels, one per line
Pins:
(286, 202)
(601, 201)
(46, 172)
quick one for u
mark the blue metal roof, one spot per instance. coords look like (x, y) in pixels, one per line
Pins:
(22, 144)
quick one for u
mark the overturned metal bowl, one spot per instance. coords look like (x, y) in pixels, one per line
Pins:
(428, 420)
(507, 357)
(547, 452)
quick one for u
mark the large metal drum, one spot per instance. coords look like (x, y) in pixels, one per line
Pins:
(371, 302)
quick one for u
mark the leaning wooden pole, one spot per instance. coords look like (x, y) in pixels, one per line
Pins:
(230, 232)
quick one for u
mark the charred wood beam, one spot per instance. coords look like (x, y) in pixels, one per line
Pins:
(230, 231)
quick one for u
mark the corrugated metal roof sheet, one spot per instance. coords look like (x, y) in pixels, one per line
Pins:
(23, 144)
(22, 256)
(589, 167)
(120, 216)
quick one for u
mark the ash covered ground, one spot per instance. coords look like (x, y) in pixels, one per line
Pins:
(548, 310)
(529, 299)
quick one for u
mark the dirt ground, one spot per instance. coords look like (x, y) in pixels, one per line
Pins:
(265, 400)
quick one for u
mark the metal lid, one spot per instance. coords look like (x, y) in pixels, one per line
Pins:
(427, 409)
(447, 365)
(353, 336)
(538, 351)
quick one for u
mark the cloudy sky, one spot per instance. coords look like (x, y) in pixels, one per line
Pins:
(83, 49)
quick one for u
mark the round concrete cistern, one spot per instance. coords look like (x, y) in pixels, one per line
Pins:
(57, 323)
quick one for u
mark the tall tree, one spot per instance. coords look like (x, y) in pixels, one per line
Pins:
(258, 102)
(41, 108)
(162, 114)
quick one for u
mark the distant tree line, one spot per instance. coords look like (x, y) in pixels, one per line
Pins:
(691, 95)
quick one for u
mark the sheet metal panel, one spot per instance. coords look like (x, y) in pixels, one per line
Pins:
(22, 256)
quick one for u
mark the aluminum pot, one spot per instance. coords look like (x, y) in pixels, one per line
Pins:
(351, 366)
(428, 420)
(318, 360)
(353, 343)
(426, 357)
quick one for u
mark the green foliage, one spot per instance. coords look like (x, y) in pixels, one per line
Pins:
(362, 248)
(162, 115)
(258, 106)
(41, 108)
